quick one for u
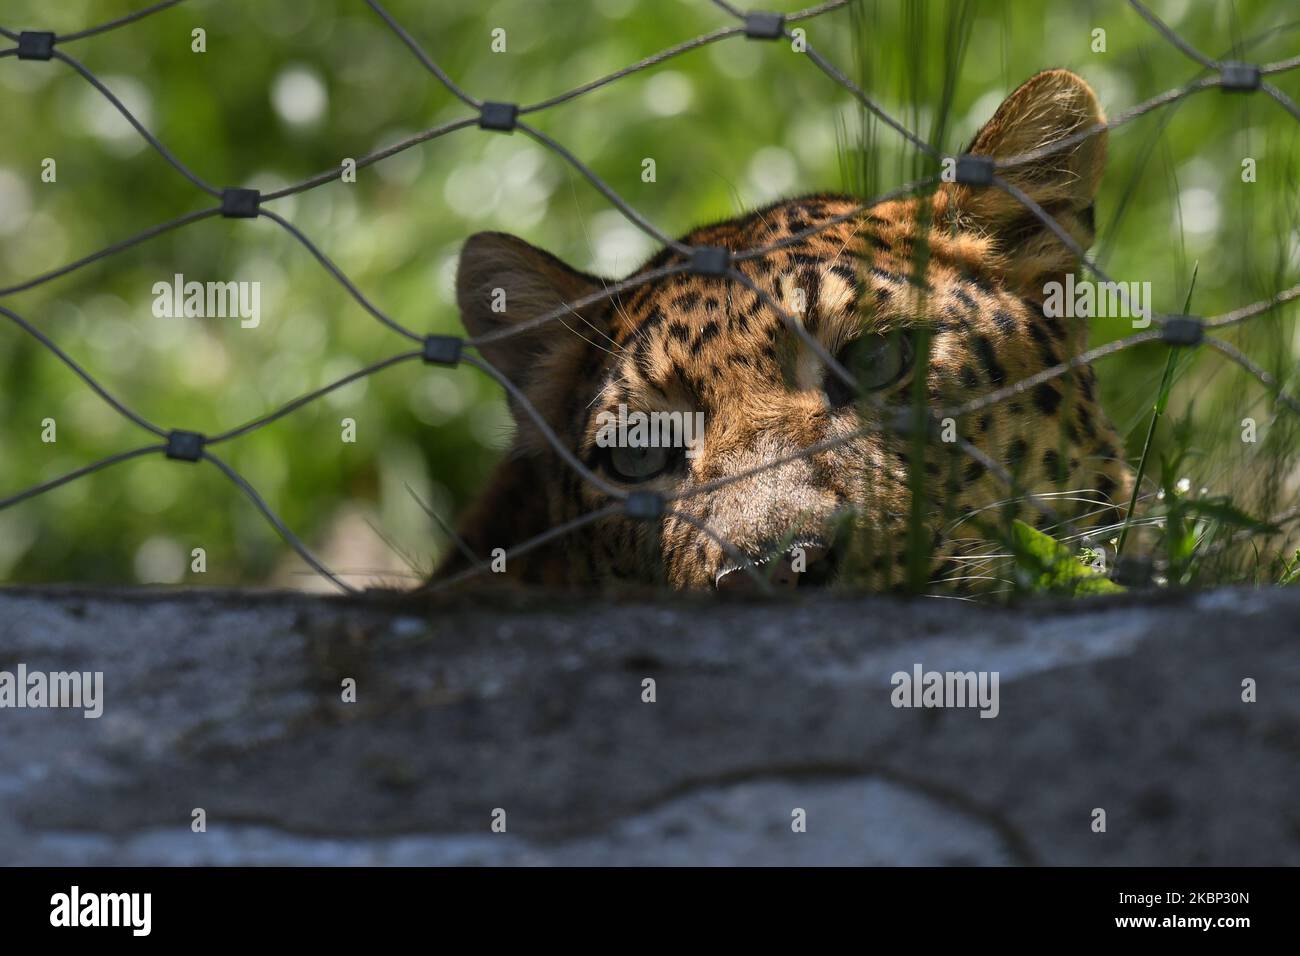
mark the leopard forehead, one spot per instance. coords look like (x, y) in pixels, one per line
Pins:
(704, 342)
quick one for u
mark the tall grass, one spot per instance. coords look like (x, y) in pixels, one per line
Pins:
(1208, 507)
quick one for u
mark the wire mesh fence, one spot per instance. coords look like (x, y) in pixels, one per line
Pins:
(975, 172)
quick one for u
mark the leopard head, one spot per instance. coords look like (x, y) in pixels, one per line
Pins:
(937, 295)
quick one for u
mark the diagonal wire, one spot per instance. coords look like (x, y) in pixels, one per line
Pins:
(544, 427)
(139, 127)
(1236, 355)
(1230, 351)
(1257, 308)
(371, 158)
(290, 538)
(119, 22)
(1288, 104)
(1171, 36)
(1068, 240)
(528, 325)
(638, 220)
(742, 561)
(40, 489)
(337, 273)
(423, 57)
(116, 247)
(550, 534)
(81, 373)
(653, 60)
(1121, 119)
(302, 400)
(835, 74)
(809, 13)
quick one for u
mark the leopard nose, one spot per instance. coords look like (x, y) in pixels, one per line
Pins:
(783, 573)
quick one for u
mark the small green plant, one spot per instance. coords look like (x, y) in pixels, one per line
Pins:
(1045, 565)
(1195, 526)
(1157, 412)
(1290, 573)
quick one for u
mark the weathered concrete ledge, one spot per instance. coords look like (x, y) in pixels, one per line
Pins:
(231, 702)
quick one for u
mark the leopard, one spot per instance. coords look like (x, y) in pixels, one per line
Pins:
(804, 366)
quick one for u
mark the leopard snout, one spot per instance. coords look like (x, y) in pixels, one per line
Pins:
(785, 572)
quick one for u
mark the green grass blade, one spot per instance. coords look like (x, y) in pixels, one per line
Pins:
(1162, 402)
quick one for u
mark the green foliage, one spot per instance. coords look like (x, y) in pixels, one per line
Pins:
(731, 125)
(1175, 210)
(1191, 527)
(1158, 410)
(286, 90)
(1046, 565)
(1290, 573)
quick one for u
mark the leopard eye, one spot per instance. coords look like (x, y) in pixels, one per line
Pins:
(636, 464)
(877, 361)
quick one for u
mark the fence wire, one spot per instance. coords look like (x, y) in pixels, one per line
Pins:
(1183, 331)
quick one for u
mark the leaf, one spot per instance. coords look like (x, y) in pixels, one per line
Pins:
(1220, 510)
(1054, 567)
(1290, 570)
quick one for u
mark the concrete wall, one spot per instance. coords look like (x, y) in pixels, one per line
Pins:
(231, 702)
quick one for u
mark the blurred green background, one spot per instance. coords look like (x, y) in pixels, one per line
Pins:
(286, 90)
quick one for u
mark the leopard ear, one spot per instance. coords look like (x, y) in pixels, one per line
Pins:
(503, 283)
(1050, 107)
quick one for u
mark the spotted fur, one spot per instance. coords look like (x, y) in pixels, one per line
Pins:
(963, 268)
